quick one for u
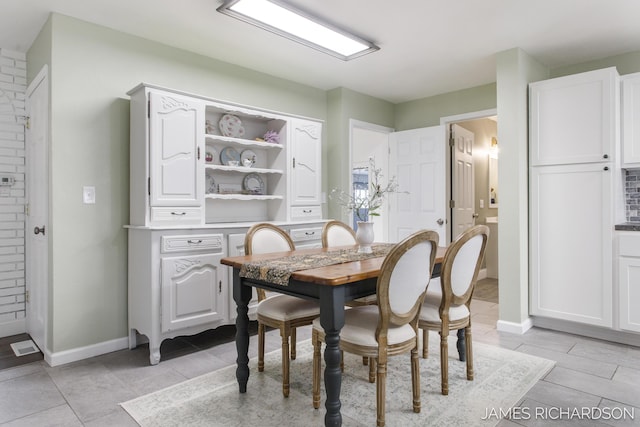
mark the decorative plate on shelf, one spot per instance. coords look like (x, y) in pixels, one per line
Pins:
(211, 156)
(210, 185)
(247, 156)
(229, 154)
(253, 183)
(231, 125)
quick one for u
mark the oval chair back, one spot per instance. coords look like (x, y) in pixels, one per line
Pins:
(405, 275)
(337, 233)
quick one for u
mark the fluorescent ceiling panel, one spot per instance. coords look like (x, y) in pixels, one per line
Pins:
(287, 21)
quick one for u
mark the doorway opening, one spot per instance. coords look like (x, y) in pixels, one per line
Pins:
(485, 189)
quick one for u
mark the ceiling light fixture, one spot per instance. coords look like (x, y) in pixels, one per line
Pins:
(285, 20)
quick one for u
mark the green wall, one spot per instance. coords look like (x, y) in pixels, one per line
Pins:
(91, 69)
(428, 111)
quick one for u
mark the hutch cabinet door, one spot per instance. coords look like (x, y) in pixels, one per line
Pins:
(573, 118)
(305, 146)
(192, 291)
(176, 135)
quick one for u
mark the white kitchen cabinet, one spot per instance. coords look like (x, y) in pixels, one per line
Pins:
(571, 243)
(572, 184)
(306, 168)
(573, 119)
(629, 280)
(631, 121)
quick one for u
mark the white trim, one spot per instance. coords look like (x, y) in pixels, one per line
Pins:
(42, 74)
(598, 332)
(514, 328)
(14, 327)
(482, 114)
(80, 353)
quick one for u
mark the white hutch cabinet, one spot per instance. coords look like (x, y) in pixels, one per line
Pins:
(202, 171)
(573, 149)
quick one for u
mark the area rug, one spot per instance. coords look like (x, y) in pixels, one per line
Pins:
(502, 377)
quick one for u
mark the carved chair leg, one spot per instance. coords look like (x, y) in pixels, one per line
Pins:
(415, 379)
(260, 347)
(380, 393)
(341, 360)
(444, 362)
(316, 369)
(284, 333)
(293, 343)
(425, 343)
(365, 360)
(372, 370)
(467, 340)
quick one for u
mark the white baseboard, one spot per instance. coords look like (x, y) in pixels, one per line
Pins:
(14, 327)
(514, 328)
(75, 354)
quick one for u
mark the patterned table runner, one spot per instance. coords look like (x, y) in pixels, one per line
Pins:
(279, 270)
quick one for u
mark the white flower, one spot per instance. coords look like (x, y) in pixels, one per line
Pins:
(372, 200)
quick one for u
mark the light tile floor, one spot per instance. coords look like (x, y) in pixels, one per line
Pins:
(589, 373)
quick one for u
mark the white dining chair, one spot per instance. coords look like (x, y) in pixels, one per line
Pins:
(391, 327)
(447, 304)
(283, 312)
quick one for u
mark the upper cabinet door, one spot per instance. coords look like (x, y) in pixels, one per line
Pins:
(176, 135)
(631, 120)
(306, 172)
(573, 118)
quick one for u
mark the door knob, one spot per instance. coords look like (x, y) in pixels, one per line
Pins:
(38, 230)
(475, 215)
(440, 221)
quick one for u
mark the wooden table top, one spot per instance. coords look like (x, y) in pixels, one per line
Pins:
(331, 275)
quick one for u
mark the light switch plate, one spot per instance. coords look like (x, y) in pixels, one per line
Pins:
(481, 203)
(89, 195)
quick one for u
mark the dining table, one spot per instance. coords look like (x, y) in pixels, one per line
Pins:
(330, 276)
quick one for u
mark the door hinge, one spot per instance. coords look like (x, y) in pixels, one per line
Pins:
(452, 204)
(27, 122)
(220, 287)
(294, 162)
(198, 153)
(149, 185)
(26, 297)
(148, 109)
(26, 209)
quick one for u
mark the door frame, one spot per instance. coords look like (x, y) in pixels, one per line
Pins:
(450, 120)
(41, 78)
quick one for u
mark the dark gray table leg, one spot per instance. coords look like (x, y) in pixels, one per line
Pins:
(242, 296)
(332, 301)
(462, 350)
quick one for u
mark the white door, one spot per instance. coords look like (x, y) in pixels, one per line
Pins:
(417, 159)
(462, 185)
(37, 191)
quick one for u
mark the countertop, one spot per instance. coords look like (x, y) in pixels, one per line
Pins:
(628, 226)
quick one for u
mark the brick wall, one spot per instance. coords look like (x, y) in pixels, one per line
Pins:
(632, 195)
(13, 83)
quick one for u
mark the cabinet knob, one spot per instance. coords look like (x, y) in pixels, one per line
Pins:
(606, 168)
(606, 156)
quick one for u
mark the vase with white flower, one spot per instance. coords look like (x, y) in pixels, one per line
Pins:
(366, 202)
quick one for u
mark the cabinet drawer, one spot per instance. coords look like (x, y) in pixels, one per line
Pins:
(629, 245)
(182, 215)
(304, 234)
(195, 242)
(305, 212)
